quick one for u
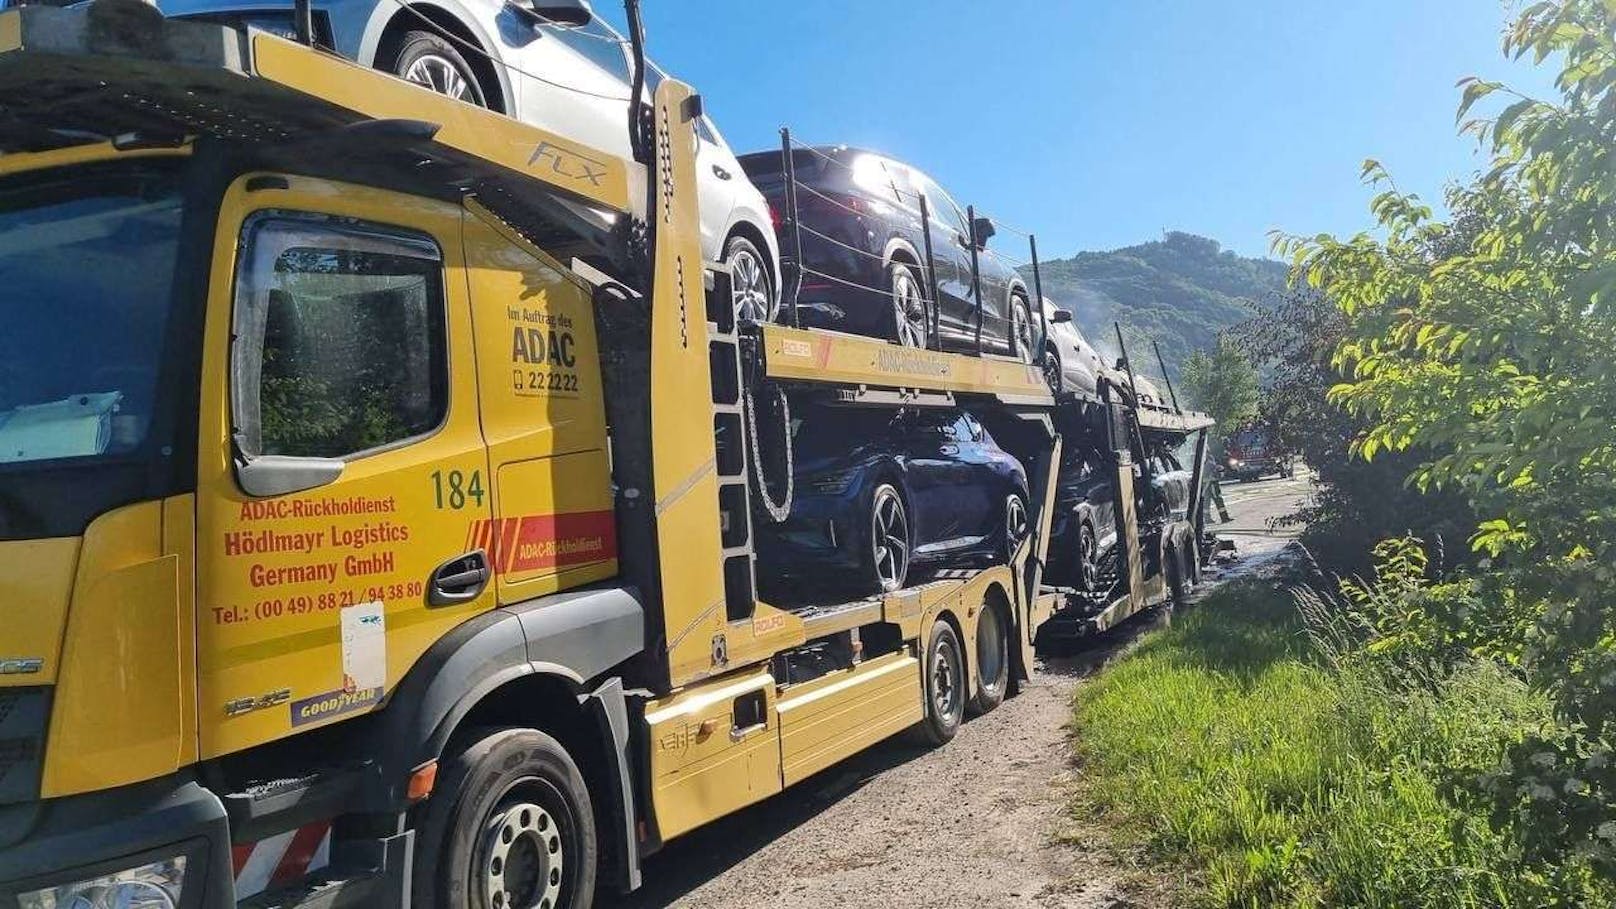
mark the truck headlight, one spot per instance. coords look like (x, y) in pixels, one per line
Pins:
(155, 885)
(1234, 462)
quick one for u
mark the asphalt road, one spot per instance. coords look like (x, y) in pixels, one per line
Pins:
(980, 822)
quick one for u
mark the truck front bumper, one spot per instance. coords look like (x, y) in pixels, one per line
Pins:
(172, 821)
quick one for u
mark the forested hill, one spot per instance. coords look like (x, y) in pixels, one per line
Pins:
(1179, 290)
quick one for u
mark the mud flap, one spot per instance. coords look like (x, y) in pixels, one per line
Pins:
(610, 710)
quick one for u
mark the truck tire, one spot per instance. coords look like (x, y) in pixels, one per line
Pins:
(992, 660)
(510, 826)
(1178, 585)
(944, 686)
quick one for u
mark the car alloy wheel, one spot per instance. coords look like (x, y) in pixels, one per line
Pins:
(1088, 558)
(908, 307)
(1052, 371)
(443, 76)
(1015, 525)
(889, 538)
(749, 282)
(1021, 329)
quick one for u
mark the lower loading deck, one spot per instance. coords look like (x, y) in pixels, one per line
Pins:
(723, 744)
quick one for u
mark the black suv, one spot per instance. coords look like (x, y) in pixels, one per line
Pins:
(864, 254)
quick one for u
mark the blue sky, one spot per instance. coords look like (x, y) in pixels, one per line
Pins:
(1100, 124)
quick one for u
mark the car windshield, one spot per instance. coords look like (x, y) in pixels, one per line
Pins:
(86, 267)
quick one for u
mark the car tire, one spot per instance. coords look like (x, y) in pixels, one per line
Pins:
(433, 62)
(1054, 375)
(992, 660)
(911, 312)
(1087, 558)
(888, 545)
(511, 815)
(944, 686)
(1178, 587)
(1021, 343)
(756, 299)
(1015, 524)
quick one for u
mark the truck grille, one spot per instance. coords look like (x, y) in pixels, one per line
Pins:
(23, 714)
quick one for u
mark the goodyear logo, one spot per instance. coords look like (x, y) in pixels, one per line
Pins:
(332, 704)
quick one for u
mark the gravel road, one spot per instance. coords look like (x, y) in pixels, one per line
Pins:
(977, 823)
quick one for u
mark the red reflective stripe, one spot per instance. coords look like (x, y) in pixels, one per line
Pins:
(239, 854)
(507, 543)
(560, 540)
(295, 863)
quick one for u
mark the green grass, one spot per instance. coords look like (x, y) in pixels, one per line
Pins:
(1221, 747)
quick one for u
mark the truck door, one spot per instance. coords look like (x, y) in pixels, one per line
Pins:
(339, 334)
(543, 416)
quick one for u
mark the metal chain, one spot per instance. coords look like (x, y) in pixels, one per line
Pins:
(776, 511)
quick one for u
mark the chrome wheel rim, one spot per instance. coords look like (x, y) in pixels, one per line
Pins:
(890, 538)
(1021, 329)
(1052, 370)
(1015, 524)
(909, 307)
(989, 649)
(1087, 547)
(442, 76)
(753, 301)
(523, 859)
(944, 681)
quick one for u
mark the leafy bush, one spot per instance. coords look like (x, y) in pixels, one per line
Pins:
(1486, 345)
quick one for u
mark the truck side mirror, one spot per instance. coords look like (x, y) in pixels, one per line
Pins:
(266, 476)
(1060, 316)
(566, 13)
(982, 230)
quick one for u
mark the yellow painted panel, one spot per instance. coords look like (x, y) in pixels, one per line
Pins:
(701, 766)
(525, 149)
(277, 576)
(841, 714)
(802, 354)
(179, 542)
(117, 716)
(555, 525)
(36, 583)
(684, 462)
(10, 31)
(543, 415)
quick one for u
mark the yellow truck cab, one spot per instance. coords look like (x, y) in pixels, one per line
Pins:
(374, 529)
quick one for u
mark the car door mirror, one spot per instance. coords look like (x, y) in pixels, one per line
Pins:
(1060, 317)
(566, 13)
(982, 230)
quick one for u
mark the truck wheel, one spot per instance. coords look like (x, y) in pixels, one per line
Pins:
(992, 660)
(944, 685)
(510, 826)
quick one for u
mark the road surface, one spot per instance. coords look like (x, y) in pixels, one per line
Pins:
(980, 822)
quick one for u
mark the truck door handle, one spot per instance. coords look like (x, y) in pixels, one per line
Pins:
(720, 173)
(459, 580)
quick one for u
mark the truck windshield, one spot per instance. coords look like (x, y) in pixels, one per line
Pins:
(86, 266)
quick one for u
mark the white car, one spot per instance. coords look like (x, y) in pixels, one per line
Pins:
(1072, 364)
(555, 65)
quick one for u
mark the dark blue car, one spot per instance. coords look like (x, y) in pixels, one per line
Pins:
(927, 488)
